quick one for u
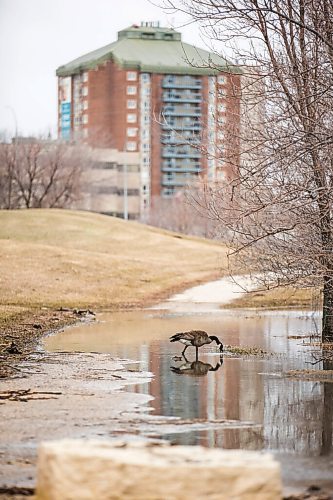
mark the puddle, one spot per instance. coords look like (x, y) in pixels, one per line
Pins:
(291, 418)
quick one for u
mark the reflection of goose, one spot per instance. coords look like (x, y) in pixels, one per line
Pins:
(196, 338)
(196, 368)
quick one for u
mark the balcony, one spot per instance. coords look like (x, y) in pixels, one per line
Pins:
(181, 111)
(181, 84)
(183, 169)
(182, 126)
(180, 98)
(177, 180)
(180, 140)
(180, 153)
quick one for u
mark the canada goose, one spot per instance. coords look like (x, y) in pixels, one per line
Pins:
(196, 338)
(196, 368)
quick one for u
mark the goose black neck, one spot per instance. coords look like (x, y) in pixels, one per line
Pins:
(216, 339)
(212, 337)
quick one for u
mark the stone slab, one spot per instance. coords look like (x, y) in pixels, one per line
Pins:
(106, 470)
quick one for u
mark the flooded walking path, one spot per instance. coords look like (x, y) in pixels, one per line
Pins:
(236, 401)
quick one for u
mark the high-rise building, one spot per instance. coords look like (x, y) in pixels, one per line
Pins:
(174, 105)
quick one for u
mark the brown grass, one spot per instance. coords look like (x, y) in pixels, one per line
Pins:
(66, 258)
(286, 297)
(246, 351)
(326, 375)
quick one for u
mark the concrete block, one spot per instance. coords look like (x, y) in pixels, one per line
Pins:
(99, 470)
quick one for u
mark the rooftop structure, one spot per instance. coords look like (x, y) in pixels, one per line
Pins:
(151, 49)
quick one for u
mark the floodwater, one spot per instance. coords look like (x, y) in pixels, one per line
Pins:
(293, 417)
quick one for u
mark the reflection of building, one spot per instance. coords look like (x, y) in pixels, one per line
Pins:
(150, 93)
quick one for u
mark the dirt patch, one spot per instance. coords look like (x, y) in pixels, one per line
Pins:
(314, 492)
(16, 493)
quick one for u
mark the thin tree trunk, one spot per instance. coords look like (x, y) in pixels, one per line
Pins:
(327, 322)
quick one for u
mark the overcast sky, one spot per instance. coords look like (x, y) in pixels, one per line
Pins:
(37, 36)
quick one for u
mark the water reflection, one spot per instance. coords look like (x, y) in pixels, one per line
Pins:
(195, 368)
(294, 416)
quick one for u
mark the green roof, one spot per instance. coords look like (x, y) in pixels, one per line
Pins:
(152, 50)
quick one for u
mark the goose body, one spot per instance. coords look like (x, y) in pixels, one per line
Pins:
(195, 338)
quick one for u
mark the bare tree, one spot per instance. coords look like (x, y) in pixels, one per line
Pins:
(7, 166)
(39, 174)
(178, 213)
(278, 208)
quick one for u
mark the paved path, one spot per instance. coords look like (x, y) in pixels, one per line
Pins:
(210, 296)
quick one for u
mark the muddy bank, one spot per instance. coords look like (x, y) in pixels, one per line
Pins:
(62, 395)
(20, 333)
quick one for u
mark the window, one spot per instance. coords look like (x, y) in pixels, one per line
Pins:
(130, 168)
(131, 146)
(105, 165)
(85, 76)
(131, 104)
(131, 90)
(107, 190)
(131, 76)
(85, 104)
(150, 36)
(221, 107)
(221, 79)
(131, 118)
(85, 119)
(131, 132)
(85, 90)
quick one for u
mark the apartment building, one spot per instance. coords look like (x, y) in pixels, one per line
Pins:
(173, 105)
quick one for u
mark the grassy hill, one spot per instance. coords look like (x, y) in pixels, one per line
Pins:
(67, 258)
